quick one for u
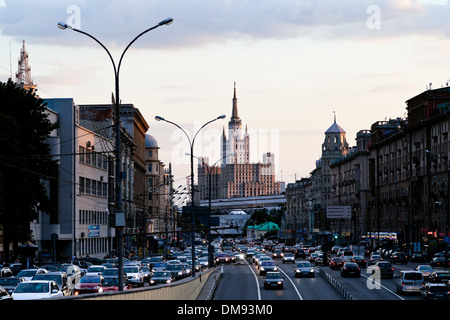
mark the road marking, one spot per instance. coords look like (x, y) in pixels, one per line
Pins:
(295, 287)
(385, 288)
(258, 289)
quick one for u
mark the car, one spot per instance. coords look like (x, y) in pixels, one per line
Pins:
(96, 269)
(350, 269)
(134, 275)
(409, 281)
(336, 263)
(267, 266)
(435, 291)
(438, 276)
(222, 258)
(313, 256)
(6, 272)
(89, 284)
(425, 269)
(177, 271)
(277, 254)
(4, 294)
(398, 257)
(300, 253)
(164, 277)
(374, 258)
(145, 270)
(266, 258)
(360, 260)
(187, 268)
(439, 262)
(10, 283)
(61, 278)
(28, 274)
(37, 289)
(304, 269)
(257, 256)
(273, 280)
(419, 257)
(112, 284)
(384, 269)
(288, 257)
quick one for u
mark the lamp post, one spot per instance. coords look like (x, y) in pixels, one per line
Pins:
(118, 180)
(191, 145)
(209, 171)
(447, 204)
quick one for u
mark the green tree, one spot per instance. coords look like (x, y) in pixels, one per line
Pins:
(25, 165)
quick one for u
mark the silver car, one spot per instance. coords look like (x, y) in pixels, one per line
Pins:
(409, 282)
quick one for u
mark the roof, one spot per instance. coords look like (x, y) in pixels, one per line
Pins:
(150, 142)
(266, 226)
(335, 128)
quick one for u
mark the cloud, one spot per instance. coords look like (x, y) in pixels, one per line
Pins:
(200, 22)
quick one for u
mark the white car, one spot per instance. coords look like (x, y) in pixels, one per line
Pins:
(37, 289)
(134, 275)
(28, 274)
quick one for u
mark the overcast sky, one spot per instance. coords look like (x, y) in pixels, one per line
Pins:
(295, 64)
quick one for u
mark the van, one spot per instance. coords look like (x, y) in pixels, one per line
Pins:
(409, 282)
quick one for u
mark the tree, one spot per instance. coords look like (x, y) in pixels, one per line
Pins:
(25, 162)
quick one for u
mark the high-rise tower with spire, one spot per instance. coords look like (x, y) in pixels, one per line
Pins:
(236, 148)
(236, 176)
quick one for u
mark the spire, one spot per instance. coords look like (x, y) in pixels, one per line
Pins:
(234, 113)
(235, 122)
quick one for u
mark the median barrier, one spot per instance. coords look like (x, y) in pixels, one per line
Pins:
(185, 289)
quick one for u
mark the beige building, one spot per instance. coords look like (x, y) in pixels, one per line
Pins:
(233, 176)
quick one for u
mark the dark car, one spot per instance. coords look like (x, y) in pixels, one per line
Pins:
(439, 262)
(177, 271)
(435, 291)
(300, 253)
(399, 257)
(350, 269)
(277, 253)
(304, 269)
(222, 258)
(440, 276)
(385, 269)
(336, 263)
(158, 277)
(10, 283)
(267, 266)
(360, 260)
(273, 280)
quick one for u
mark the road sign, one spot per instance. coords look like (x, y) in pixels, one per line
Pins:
(339, 212)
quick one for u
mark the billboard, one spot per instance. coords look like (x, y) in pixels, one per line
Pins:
(339, 212)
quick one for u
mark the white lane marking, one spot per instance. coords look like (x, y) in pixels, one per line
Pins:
(295, 287)
(378, 283)
(258, 289)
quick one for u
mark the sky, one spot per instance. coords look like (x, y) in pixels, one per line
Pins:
(296, 64)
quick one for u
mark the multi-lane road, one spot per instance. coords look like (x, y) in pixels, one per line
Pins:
(241, 281)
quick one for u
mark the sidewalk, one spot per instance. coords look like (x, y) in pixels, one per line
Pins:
(210, 285)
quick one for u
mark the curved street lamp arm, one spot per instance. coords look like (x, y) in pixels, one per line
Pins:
(107, 51)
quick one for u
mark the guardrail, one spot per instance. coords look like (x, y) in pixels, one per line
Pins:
(336, 285)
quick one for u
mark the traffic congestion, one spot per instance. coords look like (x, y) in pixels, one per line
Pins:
(410, 275)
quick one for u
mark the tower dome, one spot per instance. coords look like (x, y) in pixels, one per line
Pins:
(150, 141)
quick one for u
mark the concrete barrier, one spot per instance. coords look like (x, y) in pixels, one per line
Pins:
(186, 289)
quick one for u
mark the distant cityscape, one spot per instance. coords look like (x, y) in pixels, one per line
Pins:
(392, 186)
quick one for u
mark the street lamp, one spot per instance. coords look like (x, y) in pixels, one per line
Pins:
(447, 204)
(191, 144)
(209, 171)
(118, 203)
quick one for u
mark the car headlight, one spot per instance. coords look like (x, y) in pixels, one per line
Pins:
(280, 282)
(275, 269)
(168, 281)
(152, 281)
(180, 272)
